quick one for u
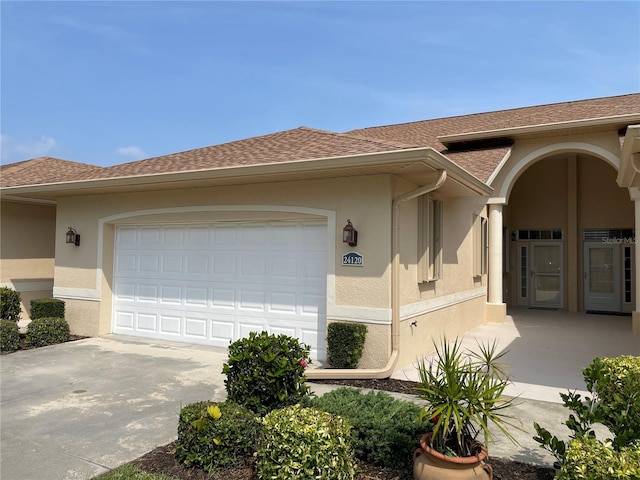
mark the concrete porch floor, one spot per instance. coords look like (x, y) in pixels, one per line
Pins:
(547, 350)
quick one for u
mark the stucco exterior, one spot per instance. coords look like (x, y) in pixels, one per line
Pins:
(27, 248)
(511, 194)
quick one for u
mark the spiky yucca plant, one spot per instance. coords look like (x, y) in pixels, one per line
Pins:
(464, 395)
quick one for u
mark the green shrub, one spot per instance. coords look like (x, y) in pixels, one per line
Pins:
(345, 342)
(9, 336)
(616, 382)
(589, 459)
(215, 435)
(265, 372)
(385, 431)
(47, 331)
(46, 307)
(615, 402)
(9, 304)
(305, 444)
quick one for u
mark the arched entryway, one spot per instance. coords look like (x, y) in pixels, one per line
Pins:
(568, 234)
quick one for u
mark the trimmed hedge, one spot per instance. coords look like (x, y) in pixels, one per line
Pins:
(9, 336)
(9, 304)
(386, 430)
(590, 459)
(46, 307)
(47, 331)
(345, 342)
(305, 444)
(265, 372)
(215, 435)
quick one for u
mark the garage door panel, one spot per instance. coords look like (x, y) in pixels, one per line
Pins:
(195, 328)
(196, 297)
(213, 284)
(170, 325)
(147, 322)
(124, 319)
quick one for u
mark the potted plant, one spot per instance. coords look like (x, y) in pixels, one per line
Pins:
(464, 395)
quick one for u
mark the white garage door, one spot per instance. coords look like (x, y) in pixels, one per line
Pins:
(212, 284)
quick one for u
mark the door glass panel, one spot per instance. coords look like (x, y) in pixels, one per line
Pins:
(601, 271)
(547, 281)
(547, 259)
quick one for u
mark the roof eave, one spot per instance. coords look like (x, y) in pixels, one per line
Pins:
(422, 154)
(539, 128)
(630, 159)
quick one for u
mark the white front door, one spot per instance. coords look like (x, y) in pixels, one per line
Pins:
(213, 284)
(602, 277)
(546, 275)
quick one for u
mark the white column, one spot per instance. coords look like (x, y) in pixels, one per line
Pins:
(496, 309)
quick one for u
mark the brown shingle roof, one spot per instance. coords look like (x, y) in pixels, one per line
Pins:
(306, 143)
(482, 163)
(44, 170)
(290, 145)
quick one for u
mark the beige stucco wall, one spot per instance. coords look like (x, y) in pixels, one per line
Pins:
(417, 339)
(361, 293)
(79, 269)
(27, 239)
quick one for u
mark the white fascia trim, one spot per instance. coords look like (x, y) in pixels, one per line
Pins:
(13, 198)
(629, 166)
(308, 165)
(29, 285)
(538, 128)
(412, 310)
(504, 160)
(87, 294)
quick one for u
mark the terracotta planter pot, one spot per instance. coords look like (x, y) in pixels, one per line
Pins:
(429, 464)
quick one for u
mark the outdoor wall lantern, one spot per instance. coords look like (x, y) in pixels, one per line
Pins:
(73, 237)
(350, 234)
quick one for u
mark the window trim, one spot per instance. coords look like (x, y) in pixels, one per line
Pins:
(429, 239)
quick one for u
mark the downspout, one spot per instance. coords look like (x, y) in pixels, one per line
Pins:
(387, 370)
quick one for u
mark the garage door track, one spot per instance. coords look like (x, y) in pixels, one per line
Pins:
(75, 410)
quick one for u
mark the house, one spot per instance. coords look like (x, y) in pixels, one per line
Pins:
(457, 219)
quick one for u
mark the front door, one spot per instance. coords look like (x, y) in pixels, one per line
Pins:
(602, 277)
(546, 275)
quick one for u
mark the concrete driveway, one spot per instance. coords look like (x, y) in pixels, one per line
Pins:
(75, 410)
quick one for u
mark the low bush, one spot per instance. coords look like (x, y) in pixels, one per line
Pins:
(47, 331)
(215, 435)
(265, 372)
(345, 342)
(46, 307)
(305, 444)
(9, 304)
(9, 336)
(386, 430)
(616, 383)
(589, 459)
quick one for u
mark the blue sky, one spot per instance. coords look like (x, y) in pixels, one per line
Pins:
(111, 82)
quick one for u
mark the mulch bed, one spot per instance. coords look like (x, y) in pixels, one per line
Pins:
(162, 459)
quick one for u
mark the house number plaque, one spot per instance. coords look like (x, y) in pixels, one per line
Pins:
(352, 259)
